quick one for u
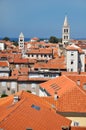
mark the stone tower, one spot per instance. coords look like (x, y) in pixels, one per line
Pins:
(65, 32)
(21, 41)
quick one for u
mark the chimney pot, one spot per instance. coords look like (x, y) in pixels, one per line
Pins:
(16, 98)
(55, 96)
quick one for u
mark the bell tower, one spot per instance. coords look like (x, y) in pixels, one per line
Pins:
(21, 41)
(65, 32)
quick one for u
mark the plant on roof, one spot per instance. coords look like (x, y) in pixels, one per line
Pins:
(28, 91)
(4, 95)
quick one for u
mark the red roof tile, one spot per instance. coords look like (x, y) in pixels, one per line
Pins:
(60, 85)
(58, 63)
(78, 128)
(24, 115)
(72, 101)
(4, 64)
(71, 97)
(74, 47)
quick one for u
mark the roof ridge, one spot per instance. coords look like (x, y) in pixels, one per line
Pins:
(70, 79)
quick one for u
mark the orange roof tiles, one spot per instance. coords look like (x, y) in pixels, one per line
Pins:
(58, 63)
(74, 47)
(71, 97)
(4, 64)
(73, 101)
(78, 128)
(60, 85)
(81, 78)
(40, 51)
(20, 60)
(22, 115)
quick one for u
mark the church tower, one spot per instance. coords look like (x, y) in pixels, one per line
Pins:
(65, 32)
(21, 41)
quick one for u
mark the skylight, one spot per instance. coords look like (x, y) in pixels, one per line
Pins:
(35, 107)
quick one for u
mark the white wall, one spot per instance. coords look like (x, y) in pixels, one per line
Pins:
(82, 58)
(2, 46)
(73, 58)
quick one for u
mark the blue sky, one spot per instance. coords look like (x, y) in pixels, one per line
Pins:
(42, 18)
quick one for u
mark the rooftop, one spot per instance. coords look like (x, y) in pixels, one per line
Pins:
(31, 111)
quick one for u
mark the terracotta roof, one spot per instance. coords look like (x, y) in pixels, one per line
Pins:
(40, 51)
(58, 63)
(20, 60)
(74, 47)
(71, 97)
(81, 45)
(80, 78)
(4, 64)
(35, 38)
(60, 85)
(78, 128)
(30, 112)
(73, 101)
(23, 78)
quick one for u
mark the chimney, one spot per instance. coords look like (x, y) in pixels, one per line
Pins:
(78, 82)
(65, 128)
(55, 96)
(16, 98)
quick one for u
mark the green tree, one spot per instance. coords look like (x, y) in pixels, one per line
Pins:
(6, 38)
(54, 39)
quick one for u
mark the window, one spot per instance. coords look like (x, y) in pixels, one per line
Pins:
(65, 37)
(45, 55)
(72, 62)
(4, 84)
(8, 88)
(65, 30)
(21, 40)
(35, 107)
(12, 91)
(36, 55)
(45, 75)
(71, 69)
(79, 61)
(3, 91)
(72, 53)
(76, 123)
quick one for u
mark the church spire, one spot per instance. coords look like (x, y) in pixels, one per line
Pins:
(65, 32)
(65, 21)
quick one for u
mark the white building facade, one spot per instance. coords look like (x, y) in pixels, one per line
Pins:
(75, 59)
(2, 46)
